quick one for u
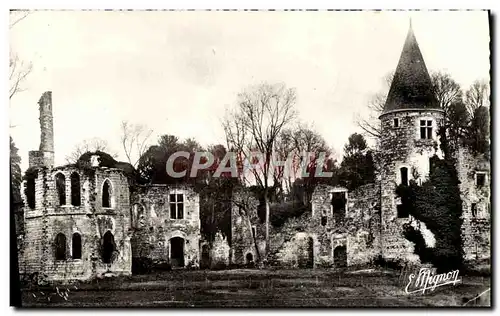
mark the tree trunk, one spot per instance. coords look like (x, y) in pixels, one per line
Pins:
(266, 201)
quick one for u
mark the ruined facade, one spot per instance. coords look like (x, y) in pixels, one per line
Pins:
(166, 224)
(351, 228)
(76, 220)
(85, 220)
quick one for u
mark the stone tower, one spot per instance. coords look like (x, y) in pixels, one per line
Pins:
(44, 157)
(409, 125)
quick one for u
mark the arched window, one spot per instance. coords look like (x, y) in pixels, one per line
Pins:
(108, 247)
(404, 175)
(30, 192)
(76, 246)
(106, 194)
(60, 245)
(61, 188)
(75, 189)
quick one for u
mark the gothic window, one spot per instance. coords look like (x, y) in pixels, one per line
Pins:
(75, 189)
(324, 219)
(404, 175)
(61, 188)
(176, 206)
(254, 231)
(76, 246)
(106, 194)
(396, 122)
(426, 129)
(60, 245)
(108, 247)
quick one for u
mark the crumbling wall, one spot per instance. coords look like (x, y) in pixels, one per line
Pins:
(244, 223)
(90, 220)
(44, 157)
(154, 228)
(476, 205)
(309, 240)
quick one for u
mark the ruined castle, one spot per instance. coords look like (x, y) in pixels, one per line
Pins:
(353, 228)
(83, 221)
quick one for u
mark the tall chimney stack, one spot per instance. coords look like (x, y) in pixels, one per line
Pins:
(44, 157)
(46, 124)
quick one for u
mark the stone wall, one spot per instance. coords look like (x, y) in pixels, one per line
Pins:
(90, 220)
(476, 205)
(244, 223)
(154, 228)
(402, 147)
(319, 238)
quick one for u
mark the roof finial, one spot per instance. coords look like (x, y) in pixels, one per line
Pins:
(410, 24)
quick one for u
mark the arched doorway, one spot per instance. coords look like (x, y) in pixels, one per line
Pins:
(340, 257)
(205, 257)
(177, 252)
(108, 247)
(310, 252)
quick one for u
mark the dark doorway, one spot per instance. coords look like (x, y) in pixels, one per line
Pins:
(310, 252)
(177, 252)
(205, 257)
(108, 247)
(340, 257)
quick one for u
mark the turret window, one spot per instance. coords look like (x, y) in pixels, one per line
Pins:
(396, 122)
(425, 129)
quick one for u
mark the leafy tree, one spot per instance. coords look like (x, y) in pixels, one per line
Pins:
(357, 167)
(152, 164)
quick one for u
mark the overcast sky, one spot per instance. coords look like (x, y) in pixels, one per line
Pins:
(177, 72)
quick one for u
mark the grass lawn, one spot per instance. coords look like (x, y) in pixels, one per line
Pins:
(256, 288)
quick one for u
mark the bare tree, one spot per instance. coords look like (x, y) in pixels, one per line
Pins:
(370, 123)
(18, 69)
(447, 91)
(297, 142)
(134, 141)
(478, 95)
(88, 145)
(263, 111)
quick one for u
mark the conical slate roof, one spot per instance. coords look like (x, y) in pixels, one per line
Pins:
(412, 85)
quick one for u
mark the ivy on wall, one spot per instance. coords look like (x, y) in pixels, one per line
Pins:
(436, 203)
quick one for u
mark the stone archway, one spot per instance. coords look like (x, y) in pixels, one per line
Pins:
(340, 257)
(177, 252)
